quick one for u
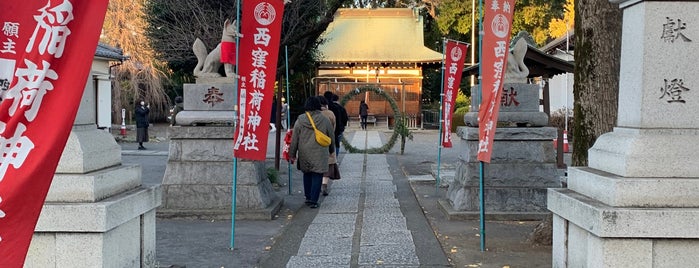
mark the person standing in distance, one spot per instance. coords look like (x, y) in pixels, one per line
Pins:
(340, 117)
(142, 111)
(363, 113)
(310, 157)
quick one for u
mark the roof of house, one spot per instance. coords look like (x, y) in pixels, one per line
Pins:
(565, 43)
(376, 35)
(109, 52)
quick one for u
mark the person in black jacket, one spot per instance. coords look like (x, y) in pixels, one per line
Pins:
(340, 117)
(142, 111)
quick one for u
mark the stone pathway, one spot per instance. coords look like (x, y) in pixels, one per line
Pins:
(360, 223)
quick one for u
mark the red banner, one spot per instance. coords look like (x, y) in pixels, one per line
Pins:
(454, 64)
(259, 50)
(46, 51)
(497, 26)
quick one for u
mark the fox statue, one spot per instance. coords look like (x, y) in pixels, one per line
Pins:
(208, 63)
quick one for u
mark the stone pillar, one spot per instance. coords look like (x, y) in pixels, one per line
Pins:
(637, 203)
(97, 213)
(198, 180)
(523, 162)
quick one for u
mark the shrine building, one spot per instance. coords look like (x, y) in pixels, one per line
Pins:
(382, 47)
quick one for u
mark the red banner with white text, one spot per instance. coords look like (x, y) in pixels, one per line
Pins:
(46, 51)
(258, 52)
(497, 26)
(454, 65)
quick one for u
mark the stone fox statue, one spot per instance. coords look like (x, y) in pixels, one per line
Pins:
(516, 71)
(208, 63)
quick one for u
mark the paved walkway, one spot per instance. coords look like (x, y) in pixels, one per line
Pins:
(360, 223)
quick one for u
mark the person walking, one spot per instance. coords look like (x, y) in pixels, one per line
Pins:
(285, 113)
(340, 117)
(273, 117)
(333, 172)
(311, 157)
(142, 111)
(363, 113)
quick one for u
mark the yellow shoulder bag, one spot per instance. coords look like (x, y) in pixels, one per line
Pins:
(321, 138)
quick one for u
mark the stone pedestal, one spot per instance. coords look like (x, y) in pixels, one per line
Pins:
(97, 213)
(522, 167)
(198, 178)
(637, 203)
(209, 101)
(519, 107)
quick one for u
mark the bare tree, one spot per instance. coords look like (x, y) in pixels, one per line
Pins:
(140, 77)
(597, 55)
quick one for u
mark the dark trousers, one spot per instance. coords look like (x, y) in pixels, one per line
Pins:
(338, 142)
(311, 185)
(364, 121)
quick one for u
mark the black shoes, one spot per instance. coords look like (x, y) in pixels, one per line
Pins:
(141, 148)
(311, 204)
(324, 189)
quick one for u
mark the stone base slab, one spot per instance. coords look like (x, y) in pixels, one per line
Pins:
(191, 118)
(646, 153)
(100, 216)
(615, 222)
(529, 119)
(452, 214)
(617, 191)
(523, 166)
(88, 149)
(94, 186)
(118, 231)
(505, 200)
(198, 180)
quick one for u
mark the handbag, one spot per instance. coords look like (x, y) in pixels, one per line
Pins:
(321, 138)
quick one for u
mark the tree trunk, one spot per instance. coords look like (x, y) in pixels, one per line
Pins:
(596, 89)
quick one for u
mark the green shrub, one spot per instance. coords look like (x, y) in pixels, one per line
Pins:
(273, 175)
(457, 120)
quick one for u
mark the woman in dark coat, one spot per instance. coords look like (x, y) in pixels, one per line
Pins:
(311, 158)
(142, 123)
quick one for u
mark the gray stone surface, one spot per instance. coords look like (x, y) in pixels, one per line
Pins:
(620, 191)
(94, 186)
(385, 235)
(196, 97)
(331, 261)
(88, 149)
(198, 179)
(97, 213)
(190, 118)
(634, 206)
(623, 222)
(521, 107)
(633, 152)
(522, 167)
(325, 245)
(388, 255)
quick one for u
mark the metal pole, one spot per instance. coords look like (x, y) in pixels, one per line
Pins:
(481, 194)
(235, 125)
(288, 111)
(441, 120)
(473, 40)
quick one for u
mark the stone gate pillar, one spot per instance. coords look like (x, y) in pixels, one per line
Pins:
(637, 203)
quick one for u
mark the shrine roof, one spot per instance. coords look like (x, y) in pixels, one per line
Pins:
(538, 62)
(376, 35)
